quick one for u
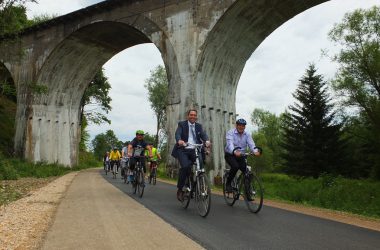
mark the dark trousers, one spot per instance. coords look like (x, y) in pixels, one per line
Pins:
(235, 163)
(133, 160)
(113, 163)
(186, 158)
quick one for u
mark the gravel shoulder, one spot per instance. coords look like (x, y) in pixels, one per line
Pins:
(24, 223)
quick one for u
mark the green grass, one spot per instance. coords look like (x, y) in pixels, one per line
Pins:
(360, 197)
(355, 196)
(13, 169)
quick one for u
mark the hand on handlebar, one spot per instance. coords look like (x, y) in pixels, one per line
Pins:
(237, 153)
(257, 151)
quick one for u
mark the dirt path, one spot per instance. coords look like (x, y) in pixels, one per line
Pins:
(96, 215)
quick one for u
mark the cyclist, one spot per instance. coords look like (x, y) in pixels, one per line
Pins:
(115, 158)
(153, 160)
(136, 150)
(106, 161)
(124, 159)
(237, 141)
(192, 132)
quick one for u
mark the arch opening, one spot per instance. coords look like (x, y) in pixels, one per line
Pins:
(8, 105)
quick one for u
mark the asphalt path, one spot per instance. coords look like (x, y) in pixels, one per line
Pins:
(236, 228)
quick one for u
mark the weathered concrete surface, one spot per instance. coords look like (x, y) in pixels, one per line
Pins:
(204, 45)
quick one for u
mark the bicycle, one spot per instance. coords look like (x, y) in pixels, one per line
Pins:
(138, 182)
(198, 183)
(153, 172)
(252, 193)
(114, 169)
(106, 166)
(125, 170)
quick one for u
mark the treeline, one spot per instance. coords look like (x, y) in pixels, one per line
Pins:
(316, 136)
(104, 142)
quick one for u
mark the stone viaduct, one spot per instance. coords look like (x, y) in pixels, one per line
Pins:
(204, 45)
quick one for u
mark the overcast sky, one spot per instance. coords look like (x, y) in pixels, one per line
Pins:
(269, 78)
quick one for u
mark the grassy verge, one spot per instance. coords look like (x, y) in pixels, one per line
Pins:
(360, 197)
(18, 177)
(355, 196)
(13, 169)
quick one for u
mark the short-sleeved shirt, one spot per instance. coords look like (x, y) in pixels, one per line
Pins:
(138, 147)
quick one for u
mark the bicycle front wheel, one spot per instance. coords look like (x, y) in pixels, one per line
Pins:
(253, 194)
(187, 193)
(140, 183)
(229, 197)
(134, 181)
(154, 176)
(203, 195)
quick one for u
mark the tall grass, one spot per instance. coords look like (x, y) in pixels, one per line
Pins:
(355, 196)
(13, 169)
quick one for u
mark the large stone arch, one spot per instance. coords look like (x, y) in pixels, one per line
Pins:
(240, 30)
(52, 126)
(204, 45)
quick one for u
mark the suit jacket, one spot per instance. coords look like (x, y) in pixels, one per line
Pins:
(182, 133)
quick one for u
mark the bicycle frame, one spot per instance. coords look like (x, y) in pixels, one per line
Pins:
(153, 172)
(198, 184)
(138, 182)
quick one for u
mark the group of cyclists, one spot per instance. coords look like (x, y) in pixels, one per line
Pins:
(137, 150)
(188, 133)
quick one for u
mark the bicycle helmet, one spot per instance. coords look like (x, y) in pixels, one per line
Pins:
(140, 132)
(241, 121)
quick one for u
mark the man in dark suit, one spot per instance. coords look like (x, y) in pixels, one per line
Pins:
(187, 131)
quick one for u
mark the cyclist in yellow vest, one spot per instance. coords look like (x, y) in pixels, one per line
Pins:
(153, 160)
(115, 158)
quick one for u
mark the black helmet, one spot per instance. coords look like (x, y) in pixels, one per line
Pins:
(241, 121)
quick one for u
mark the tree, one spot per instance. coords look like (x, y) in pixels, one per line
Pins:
(311, 138)
(95, 98)
(358, 77)
(157, 86)
(104, 142)
(95, 102)
(267, 136)
(12, 16)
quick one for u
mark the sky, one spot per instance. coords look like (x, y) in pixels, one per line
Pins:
(268, 80)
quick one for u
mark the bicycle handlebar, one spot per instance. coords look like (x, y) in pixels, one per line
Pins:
(191, 144)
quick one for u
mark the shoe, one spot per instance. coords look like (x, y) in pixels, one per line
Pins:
(180, 195)
(229, 188)
(251, 195)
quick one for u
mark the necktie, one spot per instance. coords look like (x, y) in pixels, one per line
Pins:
(192, 128)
